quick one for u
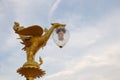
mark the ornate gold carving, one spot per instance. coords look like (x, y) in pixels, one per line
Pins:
(33, 39)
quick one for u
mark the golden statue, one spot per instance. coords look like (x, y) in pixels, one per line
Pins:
(33, 38)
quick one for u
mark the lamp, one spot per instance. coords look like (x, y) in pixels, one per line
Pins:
(60, 36)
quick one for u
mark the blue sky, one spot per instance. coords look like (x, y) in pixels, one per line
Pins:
(92, 52)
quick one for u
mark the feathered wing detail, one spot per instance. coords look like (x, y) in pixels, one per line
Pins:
(34, 30)
(33, 38)
(27, 33)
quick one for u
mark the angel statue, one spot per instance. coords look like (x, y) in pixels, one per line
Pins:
(34, 37)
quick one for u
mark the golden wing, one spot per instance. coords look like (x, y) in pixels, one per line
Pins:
(34, 30)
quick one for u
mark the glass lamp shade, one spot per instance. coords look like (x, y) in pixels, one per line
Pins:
(60, 36)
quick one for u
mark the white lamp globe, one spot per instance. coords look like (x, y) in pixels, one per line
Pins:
(60, 36)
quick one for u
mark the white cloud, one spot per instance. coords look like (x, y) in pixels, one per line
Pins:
(84, 37)
(53, 8)
(107, 57)
(104, 52)
(10, 42)
(91, 54)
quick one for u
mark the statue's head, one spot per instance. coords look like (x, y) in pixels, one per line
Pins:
(16, 23)
(17, 27)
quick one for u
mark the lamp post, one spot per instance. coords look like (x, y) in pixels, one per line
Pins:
(33, 38)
